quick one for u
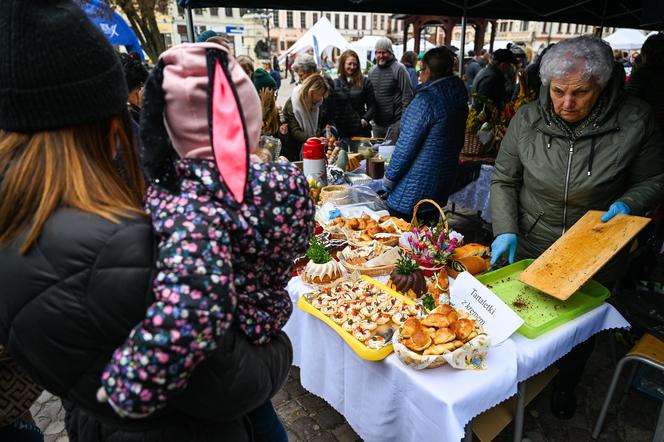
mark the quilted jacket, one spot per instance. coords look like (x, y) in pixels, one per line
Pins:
(426, 157)
(74, 297)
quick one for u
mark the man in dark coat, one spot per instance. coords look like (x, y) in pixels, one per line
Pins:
(490, 81)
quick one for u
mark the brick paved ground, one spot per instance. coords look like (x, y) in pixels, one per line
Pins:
(309, 418)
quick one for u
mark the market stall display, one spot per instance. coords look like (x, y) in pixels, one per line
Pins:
(364, 230)
(407, 278)
(321, 268)
(363, 312)
(373, 260)
(332, 245)
(541, 313)
(446, 334)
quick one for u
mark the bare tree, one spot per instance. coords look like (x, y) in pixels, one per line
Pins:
(142, 18)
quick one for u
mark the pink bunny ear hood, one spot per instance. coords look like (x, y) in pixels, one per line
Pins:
(186, 93)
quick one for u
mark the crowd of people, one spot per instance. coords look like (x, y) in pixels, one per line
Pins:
(145, 244)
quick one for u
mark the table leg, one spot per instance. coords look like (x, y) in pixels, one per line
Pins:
(520, 411)
(469, 432)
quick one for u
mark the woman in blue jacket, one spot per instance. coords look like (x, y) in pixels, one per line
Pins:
(426, 157)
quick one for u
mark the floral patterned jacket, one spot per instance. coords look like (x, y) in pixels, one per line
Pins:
(220, 264)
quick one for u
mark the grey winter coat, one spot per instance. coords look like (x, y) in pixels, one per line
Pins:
(545, 181)
(392, 90)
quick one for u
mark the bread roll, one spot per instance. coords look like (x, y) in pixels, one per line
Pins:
(472, 249)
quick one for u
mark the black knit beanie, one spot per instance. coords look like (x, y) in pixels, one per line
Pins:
(56, 68)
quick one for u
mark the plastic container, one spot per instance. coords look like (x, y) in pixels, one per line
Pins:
(540, 312)
(358, 347)
(314, 161)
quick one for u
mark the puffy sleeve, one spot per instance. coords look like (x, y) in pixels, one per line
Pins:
(195, 301)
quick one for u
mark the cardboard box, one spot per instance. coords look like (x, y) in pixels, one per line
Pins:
(489, 424)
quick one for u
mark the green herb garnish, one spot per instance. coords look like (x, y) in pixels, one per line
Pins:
(405, 265)
(317, 252)
(428, 303)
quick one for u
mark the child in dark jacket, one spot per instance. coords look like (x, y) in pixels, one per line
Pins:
(228, 226)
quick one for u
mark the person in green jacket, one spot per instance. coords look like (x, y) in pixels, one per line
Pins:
(583, 145)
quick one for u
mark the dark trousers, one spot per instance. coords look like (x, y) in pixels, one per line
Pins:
(571, 366)
(266, 424)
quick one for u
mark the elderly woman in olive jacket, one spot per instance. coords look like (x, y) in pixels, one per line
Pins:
(584, 145)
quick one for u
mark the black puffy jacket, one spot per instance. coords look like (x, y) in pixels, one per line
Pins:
(73, 298)
(351, 105)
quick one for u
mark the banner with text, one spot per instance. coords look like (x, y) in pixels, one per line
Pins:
(498, 320)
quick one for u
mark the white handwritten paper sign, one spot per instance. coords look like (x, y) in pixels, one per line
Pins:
(498, 320)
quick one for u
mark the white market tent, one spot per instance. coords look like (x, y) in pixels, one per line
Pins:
(629, 39)
(425, 45)
(326, 36)
(365, 47)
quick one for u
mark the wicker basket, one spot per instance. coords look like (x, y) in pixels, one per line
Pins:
(369, 271)
(471, 144)
(428, 271)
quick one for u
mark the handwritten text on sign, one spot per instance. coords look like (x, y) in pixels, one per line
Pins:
(499, 321)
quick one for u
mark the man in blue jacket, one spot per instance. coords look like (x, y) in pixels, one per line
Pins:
(426, 157)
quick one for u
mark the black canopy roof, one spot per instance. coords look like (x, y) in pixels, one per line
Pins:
(614, 13)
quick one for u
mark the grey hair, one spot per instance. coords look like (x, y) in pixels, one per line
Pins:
(306, 63)
(591, 56)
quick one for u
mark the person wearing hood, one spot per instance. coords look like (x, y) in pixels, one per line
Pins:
(392, 88)
(78, 264)
(426, 157)
(583, 145)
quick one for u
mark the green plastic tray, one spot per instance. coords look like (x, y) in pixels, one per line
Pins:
(540, 312)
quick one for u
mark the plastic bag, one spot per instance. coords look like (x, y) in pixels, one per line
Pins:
(272, 144)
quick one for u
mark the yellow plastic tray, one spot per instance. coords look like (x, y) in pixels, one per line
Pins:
(359, 348)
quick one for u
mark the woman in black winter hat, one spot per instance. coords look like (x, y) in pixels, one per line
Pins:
(76, 249)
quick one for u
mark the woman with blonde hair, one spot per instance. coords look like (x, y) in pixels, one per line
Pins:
(353, 98)
(302, 114)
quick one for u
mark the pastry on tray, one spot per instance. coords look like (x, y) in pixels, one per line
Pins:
(366, 229)
(472, 249)
(363, 310)
(407, 278)
(443, 331)
(321, 268)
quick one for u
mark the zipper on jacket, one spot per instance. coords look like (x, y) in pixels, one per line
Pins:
(569, 168)
(540, 214)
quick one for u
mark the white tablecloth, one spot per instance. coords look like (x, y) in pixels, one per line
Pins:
(388, 401)
(476, 195)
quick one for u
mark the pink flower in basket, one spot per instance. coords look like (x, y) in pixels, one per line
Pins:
(432, 247)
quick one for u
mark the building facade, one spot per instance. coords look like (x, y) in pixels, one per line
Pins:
(285, 26)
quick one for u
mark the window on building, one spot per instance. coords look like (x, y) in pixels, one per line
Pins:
(289, 19)
(355, 22)
(214, 12)
(560, 28)
(544, 25)
(524, 25)
(275, 17)
(168, 40)
(303, 20)
(375, 22)
(336, 21)
(382, 22)
(182, 32)
(180, 10)
(315, 17)
(511, 24)
(228, 12)
(198, 11)
(364, 22)
(569, 28)
(282, 45)
(329, 17)
(346, 22)
(243, 12)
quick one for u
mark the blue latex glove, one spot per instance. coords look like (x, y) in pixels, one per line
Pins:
(505, 243)
(386, 189)
(616, 208)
